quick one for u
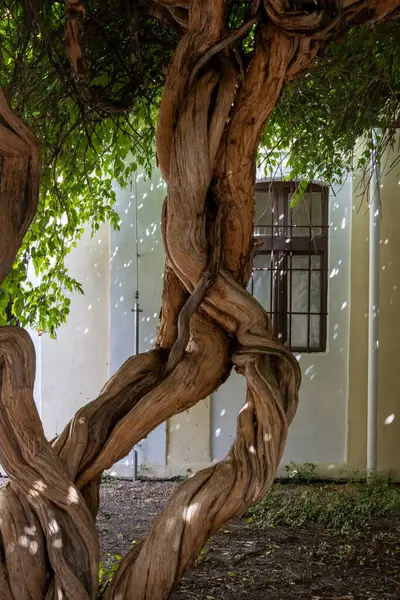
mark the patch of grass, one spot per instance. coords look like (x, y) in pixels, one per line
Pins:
(304, 473)
(106, 477)
(105, 575)
(340, 508)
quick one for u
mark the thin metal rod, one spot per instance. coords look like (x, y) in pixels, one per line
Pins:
(136, 309)
(373, 312)
(136, 235)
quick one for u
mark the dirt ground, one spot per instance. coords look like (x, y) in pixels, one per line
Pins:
(243, 563)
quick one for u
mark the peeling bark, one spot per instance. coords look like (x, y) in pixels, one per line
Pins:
(211, 117)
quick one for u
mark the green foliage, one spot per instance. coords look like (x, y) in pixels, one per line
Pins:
(106, 477)
(94, 135)
(301, 473)
(340, 508)
(106, 574)
(353, 87)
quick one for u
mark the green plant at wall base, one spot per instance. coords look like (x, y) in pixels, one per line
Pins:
(301, 473)
(343, 508)
(106, 477)
(203, 555)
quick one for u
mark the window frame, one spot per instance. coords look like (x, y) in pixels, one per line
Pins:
(281, 247)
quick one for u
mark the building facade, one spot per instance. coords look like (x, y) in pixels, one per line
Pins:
(310, 273)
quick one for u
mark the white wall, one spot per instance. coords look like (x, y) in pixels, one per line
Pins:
(74, 367)
(318, 433)
(100, 332)
(148, 278)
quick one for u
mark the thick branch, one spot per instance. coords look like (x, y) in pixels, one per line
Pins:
(209, 128)
(236, 164)
(204, 30)
(226, 41)
(201, 371)
(213, 496)
(197, 297)
(19, 183)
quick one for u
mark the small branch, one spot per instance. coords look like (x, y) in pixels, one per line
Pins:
(164, 16)
(226, 41)
(316, 24)
(73, 30)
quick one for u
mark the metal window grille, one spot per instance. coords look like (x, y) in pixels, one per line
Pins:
(290, 269)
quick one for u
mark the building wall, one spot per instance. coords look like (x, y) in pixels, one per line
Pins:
(318, 432)
(330, 426)
(144, 273)
(182, 443)
(74, 367)
(389, 324)
(194, 438)
(188, 440)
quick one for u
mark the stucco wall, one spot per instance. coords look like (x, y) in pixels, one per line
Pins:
(389, 324)
(74, 367)
(145, 274)
(99, 337)
(318, 433)
(190, 440)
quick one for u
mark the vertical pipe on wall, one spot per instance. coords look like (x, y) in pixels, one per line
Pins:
(373, 310)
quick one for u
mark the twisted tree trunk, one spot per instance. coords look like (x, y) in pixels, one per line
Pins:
(211, 118)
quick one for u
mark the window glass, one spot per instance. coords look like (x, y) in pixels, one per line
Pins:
(290, 277)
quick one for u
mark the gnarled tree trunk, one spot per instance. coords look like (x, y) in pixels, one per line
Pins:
(211, 118)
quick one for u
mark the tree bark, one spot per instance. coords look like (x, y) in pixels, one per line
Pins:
(211, 118)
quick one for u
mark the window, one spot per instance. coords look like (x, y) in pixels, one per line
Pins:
(290, 269)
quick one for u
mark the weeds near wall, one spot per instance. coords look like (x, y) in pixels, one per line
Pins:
(301, 473)
(340, 508)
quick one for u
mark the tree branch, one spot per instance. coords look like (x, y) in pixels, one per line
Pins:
(198, 294)
(224, 43)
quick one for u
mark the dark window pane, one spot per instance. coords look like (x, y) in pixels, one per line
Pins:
(301, 261)
(299, 332)
(315, 292)
(300, 289)
(300, 282)
(269, 214)
(316, 212)
(264, 212)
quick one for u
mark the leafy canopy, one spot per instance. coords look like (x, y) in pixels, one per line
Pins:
(96, 130)
(324, 120)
